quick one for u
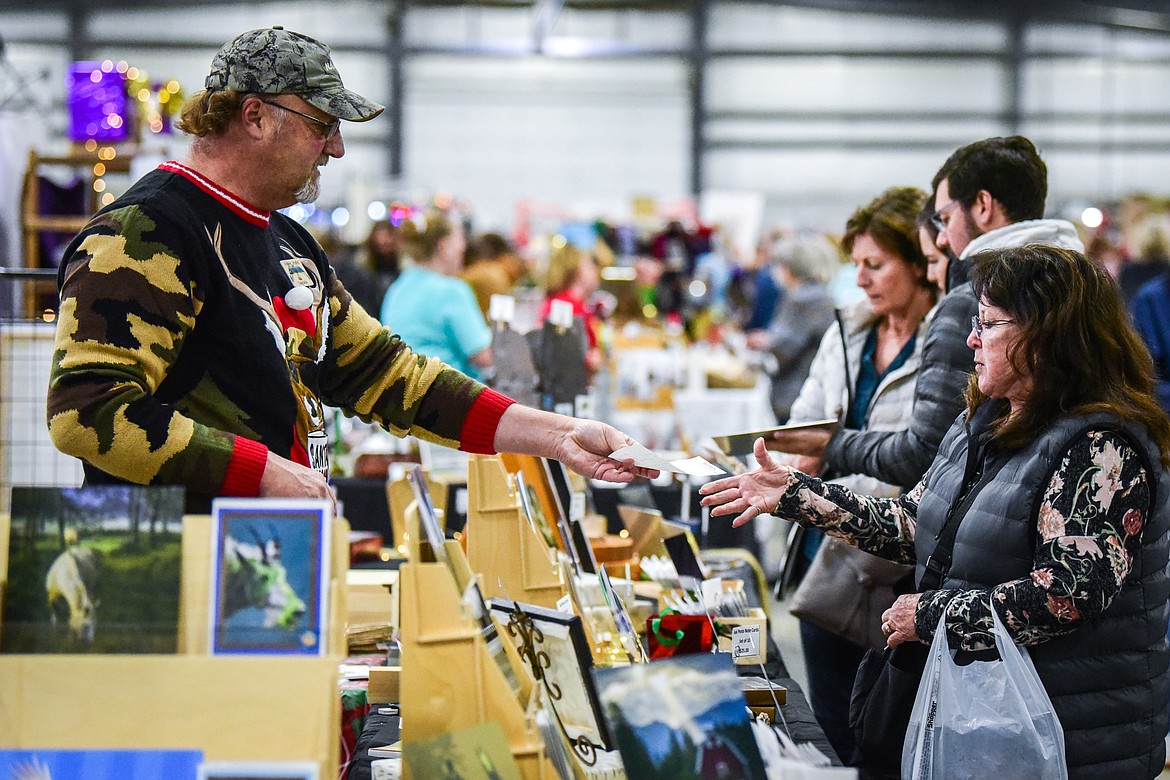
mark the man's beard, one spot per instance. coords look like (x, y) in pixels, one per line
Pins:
(311, 189)
(973, 230)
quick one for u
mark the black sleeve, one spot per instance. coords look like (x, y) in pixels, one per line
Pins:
(902, 457)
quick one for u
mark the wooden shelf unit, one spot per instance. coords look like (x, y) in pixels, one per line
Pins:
(34, 225)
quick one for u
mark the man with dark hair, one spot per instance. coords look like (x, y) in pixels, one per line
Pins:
(201, 331)
(988, 195)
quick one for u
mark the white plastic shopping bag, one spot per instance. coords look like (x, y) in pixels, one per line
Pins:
(985, 719)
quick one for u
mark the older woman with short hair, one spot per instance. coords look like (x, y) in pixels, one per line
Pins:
(864, 374)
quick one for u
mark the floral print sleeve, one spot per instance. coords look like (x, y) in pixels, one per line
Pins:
(882, 526)
(1089, 532)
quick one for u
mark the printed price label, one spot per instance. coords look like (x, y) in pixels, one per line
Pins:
(565, 604)
(745, 641)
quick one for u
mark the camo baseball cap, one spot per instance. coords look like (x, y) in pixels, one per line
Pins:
(276, 61)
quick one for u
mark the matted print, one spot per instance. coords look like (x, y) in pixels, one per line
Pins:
(473, 753)
(93, 570)
(270, 576)
(533, 512)
(682, 718)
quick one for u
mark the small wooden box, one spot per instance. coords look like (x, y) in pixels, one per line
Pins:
(757, 617)
(384, 688)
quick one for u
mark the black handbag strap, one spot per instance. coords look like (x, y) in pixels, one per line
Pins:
(980, 469)
(939, 562)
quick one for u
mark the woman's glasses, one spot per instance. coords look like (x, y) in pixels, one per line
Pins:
(979, 325)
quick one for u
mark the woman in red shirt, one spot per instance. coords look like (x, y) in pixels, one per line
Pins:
(573, 276)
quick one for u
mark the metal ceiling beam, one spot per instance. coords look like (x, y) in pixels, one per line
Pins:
(395, 64)
(697, 89)
(77, 41)
(924, 144)
(1014, 57)
(916, 117)
(1150, 15)
(576, 5)
(609, 49)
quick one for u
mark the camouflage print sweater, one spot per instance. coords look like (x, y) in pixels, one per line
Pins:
(177, 360)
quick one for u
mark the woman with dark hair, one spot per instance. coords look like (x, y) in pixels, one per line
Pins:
(370, 271)
(939, 261)
(1057, 478)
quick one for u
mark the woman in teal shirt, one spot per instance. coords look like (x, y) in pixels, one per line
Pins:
(429, 306)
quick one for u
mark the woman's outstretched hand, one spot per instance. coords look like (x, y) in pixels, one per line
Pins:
(747, 496)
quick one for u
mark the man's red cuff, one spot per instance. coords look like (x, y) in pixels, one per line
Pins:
(246, 467)
(479, 429)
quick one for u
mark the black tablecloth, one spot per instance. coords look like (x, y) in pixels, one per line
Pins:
(380, 729)
(367, 508)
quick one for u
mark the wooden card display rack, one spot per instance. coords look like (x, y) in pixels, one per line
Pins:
(241, 708)
(398, 498)
(449, 679)
(516, 563)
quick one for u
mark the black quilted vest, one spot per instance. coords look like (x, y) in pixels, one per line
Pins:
(1108, 680)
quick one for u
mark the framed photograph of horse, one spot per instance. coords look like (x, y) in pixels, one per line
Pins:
(93, 570)
(269, 584)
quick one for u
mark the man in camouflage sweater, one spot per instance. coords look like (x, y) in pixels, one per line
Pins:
(201, 332)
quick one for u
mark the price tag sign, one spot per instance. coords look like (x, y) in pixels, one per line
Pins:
(711, 590)
(502, 308)
(560, 314)
(565, 604)
(745, 641)
(583, 407)
(577, 506)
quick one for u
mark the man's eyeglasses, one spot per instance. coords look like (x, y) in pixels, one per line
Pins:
(327, 129)
(979, 325)
(936, 218)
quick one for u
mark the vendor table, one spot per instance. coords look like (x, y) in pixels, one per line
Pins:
(382, 729)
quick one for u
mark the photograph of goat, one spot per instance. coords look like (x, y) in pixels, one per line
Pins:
(269, 589)
(93, 570)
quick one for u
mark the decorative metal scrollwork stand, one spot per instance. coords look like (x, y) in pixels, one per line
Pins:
(520, 626)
